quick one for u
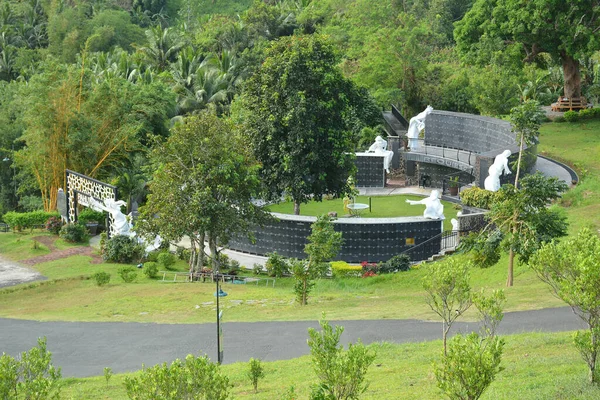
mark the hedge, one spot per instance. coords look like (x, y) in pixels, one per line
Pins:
(340, 269)
(29, 220)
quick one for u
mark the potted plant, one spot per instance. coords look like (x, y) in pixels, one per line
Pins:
(453, 185)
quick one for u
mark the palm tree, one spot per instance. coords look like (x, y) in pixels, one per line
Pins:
(163, 47)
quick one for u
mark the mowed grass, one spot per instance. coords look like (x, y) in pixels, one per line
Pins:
(381, 207)
(395, 296)
(537, 366)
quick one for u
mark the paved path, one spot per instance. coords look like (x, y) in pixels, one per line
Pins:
(13, 273)
(85, 348)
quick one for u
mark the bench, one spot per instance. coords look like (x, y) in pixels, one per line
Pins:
(564, 103)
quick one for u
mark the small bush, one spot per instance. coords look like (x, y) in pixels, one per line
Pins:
(559, 119)
(257, 269)
(87, 215)
(401, 262)
(571, 116)
(166, 259)
(128, 274)
(341, 269)
(74, 233)
(101, 278)
(369, 267)
(276, 265)
(183, 254)
(122, 249)
(477, 197)
(150, 269)
(255, 372)
(53, 225)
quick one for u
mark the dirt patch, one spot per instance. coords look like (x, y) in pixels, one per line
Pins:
(59, 254)
(47, 241)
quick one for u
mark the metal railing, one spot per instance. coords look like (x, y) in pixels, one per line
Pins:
(448, 241)
(450, 153)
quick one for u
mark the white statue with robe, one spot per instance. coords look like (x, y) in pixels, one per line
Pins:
(417, 124)
(379, 147)
(434, 209)
(500, 165)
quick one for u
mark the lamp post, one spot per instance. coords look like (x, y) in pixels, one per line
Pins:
(219, 293)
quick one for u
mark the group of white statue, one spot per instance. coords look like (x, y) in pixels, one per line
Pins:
(122, 224)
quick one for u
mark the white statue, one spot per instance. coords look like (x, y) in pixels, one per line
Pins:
(454, 223)
(417, 124)
(434, 209)
(500, 165)
(121, 223)
(380, 147)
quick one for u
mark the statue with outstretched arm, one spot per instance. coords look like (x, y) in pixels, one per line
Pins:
(434, 209)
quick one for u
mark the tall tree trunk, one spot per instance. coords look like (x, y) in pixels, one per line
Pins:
(201, 255)
(212, 245)
(572, 76)
(296, 208)
(511, 263)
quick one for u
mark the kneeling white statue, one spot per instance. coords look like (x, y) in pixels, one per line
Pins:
(417, 124)
(434, 209)
(380, 147)
(500, 165)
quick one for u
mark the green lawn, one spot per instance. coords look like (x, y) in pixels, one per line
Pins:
(537, 366)
(381, 207)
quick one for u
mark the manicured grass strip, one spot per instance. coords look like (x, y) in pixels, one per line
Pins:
(537, 366)
(381, 207)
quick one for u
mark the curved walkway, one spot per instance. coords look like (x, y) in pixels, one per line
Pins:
(85, 348)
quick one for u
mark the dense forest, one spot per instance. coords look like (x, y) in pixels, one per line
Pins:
(94, 85)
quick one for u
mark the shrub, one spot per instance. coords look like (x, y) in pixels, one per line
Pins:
(122, 249)
(183, 254)
(276, 265)
(369, 267)
(74, 233)
(477, 197)
(257, 269)
(27, 220)
(101, 278)
(255, 372)
(150, 269)
(128, 274)
(166, 259)
(401, 262)
(53, 225)
(193, 378)
(571, 116)
(340, 269)
(559, 119)
(87, 215)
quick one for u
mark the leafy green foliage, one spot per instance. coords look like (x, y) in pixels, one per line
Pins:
(166, 259)
(255, 372)
(397, 263)
(477, 197)
(87, 215)
(101, 278)
(150, 269)
(296, 111)
(74, 233)
(193, 378)
(128, 274)
(19, 221)
(122, 249)
(572, 269)
(276, 265)
(108, 373)
(571, 116)
(448, 291)
(341, 373)
(341, 269)
(53, 225)
(32, 376)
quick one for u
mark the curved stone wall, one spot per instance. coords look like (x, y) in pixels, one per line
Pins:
(365, 239)
(467, 132)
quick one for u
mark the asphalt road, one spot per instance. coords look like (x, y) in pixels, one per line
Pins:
(85, 348)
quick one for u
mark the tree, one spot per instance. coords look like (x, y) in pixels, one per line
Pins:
(566, 30)
(523, 218)
(296, 116)
(526, 120)
(324, 244)
(204, 183)
(193, 378)
(341, 373)
(255, 372)
(572, 269)
(473, 361)
(448, 291)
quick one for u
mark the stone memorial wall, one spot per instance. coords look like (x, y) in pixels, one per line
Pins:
(369, 170)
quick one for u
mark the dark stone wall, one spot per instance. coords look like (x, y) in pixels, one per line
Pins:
(438, 172)
(467, 132)
(370, 172)
(365, 239)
